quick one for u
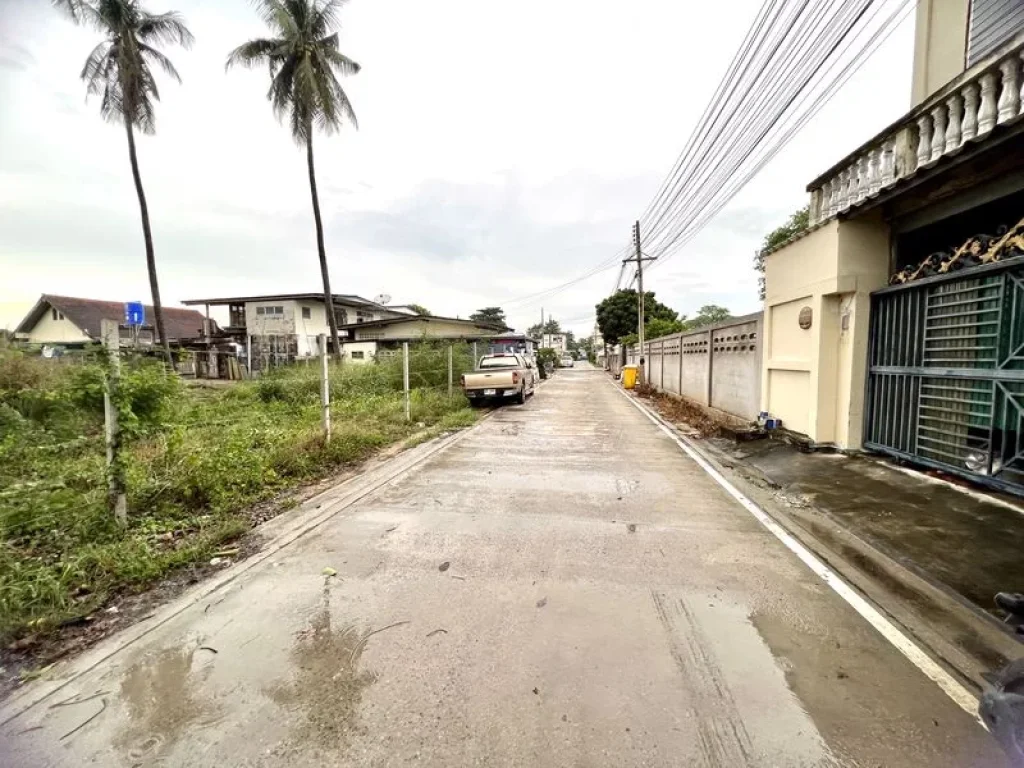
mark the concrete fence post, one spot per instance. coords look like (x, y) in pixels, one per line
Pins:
(405, 379)
(711, 364)
(661, 367)
(451, 348)
(117, 499)
(325, 386)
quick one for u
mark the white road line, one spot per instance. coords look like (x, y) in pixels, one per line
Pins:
(958, 693)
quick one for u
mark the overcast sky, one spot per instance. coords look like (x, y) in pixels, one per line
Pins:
(503, 149)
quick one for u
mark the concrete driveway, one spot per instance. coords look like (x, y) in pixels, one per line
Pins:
(560, 586)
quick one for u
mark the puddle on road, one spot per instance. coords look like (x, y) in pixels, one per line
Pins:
(326, 686)
(163, 701)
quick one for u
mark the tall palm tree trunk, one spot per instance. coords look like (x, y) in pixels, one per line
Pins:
(147, 234)
(328, 298)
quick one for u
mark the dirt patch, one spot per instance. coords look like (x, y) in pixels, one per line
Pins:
(682, 412)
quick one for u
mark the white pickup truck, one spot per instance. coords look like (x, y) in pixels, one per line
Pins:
(499, 377)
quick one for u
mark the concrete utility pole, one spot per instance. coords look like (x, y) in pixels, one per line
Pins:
(639, 258)
(117, 499)
(325, 386)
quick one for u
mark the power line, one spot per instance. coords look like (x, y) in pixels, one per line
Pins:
(711, 205)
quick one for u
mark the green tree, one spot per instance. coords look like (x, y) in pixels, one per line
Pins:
(491, 315)
(120, 71)
(659, 327)
(419, 309)
(550, 326)
(794, 225)
(617, 314)
(709, 314)
(304, 63)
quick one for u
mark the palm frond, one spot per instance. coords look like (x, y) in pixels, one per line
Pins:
(166, 28)
(325, 16)
(153, 56)
(274, 15)
(282, 88)
(82, 12)
(96, 63)
(253, 53)
(337, 60)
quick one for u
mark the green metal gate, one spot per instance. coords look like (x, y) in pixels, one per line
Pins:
(946, 373)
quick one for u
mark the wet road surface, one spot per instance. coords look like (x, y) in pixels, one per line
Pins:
(559, 587)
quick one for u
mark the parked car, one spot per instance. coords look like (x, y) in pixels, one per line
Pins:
(500, 377)
(567, 361)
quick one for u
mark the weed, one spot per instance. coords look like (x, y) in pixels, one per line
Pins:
(193, 462)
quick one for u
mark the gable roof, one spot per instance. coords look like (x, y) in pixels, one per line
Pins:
(339, 298)
(87, 314)
(423, 318)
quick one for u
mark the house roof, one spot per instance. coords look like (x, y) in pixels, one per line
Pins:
(87, 314)
(424, 318)
(339, 298)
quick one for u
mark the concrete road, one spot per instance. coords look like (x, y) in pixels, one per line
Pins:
(560, 586)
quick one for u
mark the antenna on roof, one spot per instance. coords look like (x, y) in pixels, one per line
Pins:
(382, 298)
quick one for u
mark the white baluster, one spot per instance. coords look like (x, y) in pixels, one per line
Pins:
(1021, 94)
(938, 132)
(815, 208)
(1009, 94)
(875, 171)
(843, 199)
(853, 194)
(924, 139)
(987, 110)
(864, 176)
(888, 176)
(826, 199)
(953, 131)
(969, 127)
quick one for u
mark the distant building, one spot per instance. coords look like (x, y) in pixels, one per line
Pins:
(72, 322)
(513, 342)
(364, 341)
(285, 326)
(555, 341)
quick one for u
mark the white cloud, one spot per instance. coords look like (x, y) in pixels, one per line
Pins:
(503, 149)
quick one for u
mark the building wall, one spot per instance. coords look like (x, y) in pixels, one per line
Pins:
(940, 45)
(415, 328)
(50, 331)
(813, 378)
(359, 351)
(270, 324)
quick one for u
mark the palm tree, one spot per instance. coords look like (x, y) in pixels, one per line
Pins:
(304, 61)
(119, 71)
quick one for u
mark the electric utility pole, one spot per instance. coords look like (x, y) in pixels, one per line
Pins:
(639, 258)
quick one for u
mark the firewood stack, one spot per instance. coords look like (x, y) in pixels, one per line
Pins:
(978, 250)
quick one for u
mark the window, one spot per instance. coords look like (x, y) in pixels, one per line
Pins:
(269, 310)
(507, 361)
(260, 310)
(358, 355)
(306, 313)
(57, 315)
(278, 310)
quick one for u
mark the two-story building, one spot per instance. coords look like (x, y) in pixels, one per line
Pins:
(555, 341)
(283, 327)
(895, 322)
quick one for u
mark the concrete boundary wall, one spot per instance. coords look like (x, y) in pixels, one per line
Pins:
(718, 366)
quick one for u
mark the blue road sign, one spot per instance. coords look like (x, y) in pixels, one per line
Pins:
(134, 313)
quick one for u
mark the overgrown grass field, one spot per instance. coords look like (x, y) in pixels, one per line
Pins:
(195, 458)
